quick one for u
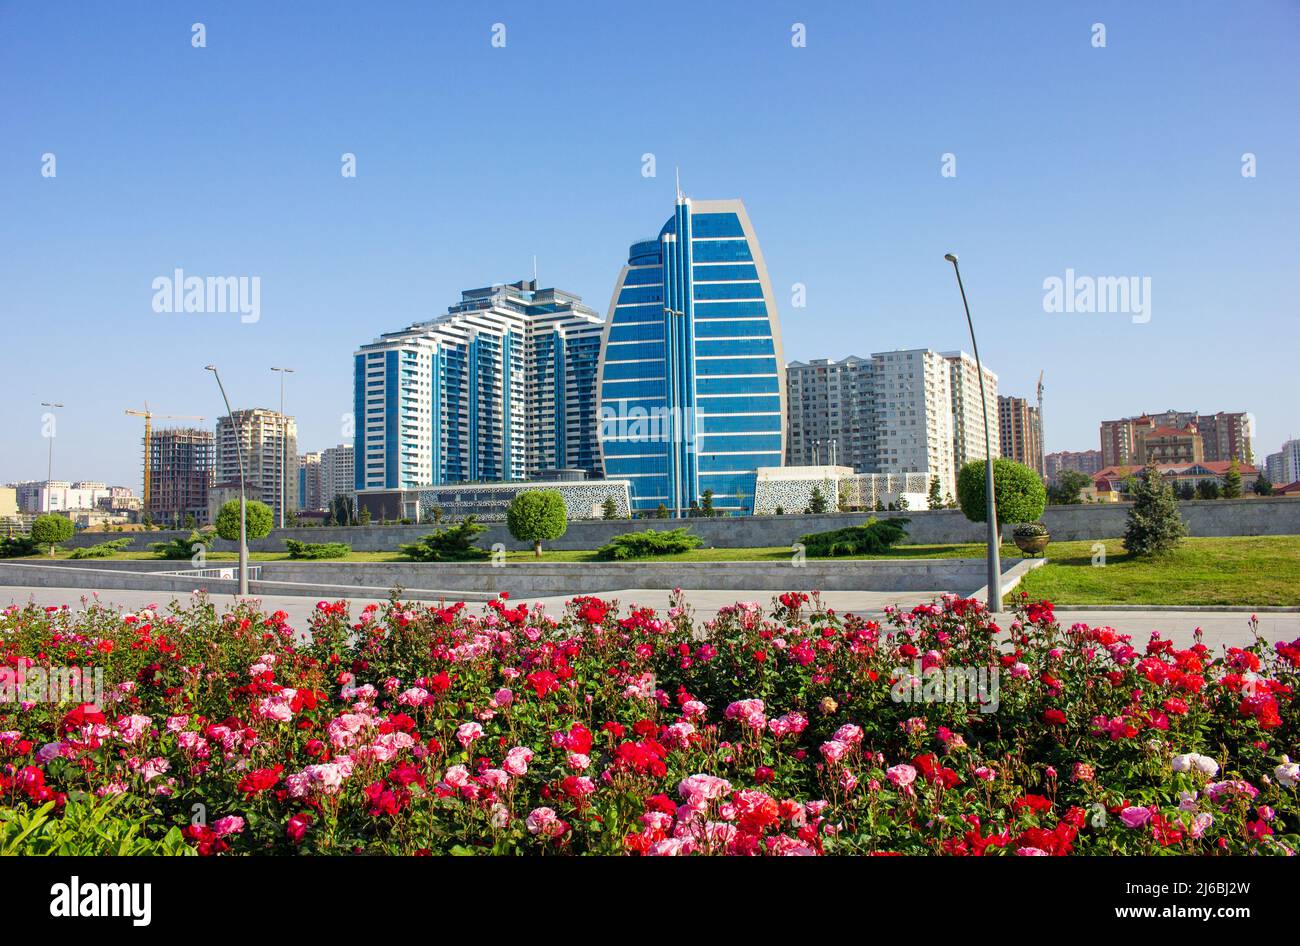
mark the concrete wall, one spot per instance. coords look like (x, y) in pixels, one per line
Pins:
(528, 579)
(1089, 521)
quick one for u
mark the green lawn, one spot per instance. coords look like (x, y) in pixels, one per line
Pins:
(1253, 571)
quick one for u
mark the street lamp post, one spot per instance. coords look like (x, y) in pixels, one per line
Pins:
(49, 467)
(284, 441)
(243, 491)
(990, 504)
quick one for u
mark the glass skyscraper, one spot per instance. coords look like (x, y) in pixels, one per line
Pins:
(691, 381)
(502, 387)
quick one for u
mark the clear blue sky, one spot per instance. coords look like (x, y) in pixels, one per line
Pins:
(471, 159)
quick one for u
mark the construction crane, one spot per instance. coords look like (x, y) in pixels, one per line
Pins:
(148, 416)
(1042, 450)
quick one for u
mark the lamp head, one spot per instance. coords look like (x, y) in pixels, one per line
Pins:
(209, 367)
(950, 257)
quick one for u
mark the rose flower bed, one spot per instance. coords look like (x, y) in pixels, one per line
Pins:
(417, 729)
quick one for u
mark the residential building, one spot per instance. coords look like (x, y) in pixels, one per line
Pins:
(1168, 445)
(692, 385)
(1079, 461)
(310, 495)
(1111, 483)
(500, 387)
(181, 464)
(1284, 466)
(914, 415)
(968, 413)
(41, 496)
(337, 466)
(1019, 430)
(269, 441)
(1224, 436)
(831, 413)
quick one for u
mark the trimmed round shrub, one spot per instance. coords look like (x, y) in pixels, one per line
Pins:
(1019, 492)
(537, 516)
(49, 531)
(258, 524)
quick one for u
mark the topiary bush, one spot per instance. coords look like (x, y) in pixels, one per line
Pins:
(1020, 493)
(49, 530)
(102, 549)
(537, 516)
(454, 544)
(258, 523)
(648, 544)
(316, 550)
(873, 537)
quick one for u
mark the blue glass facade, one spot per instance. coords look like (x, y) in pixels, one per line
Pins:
(691, 384)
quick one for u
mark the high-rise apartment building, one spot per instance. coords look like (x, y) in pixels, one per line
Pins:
(831, 413)
(502, 387)
(914, 415)
(1224, 436)
(1080, 461)
(968, 440)
(1283, 467)
(310, 496)
(337, 468)
(181, 465)
(1019, 431)
(269, 441)
(692, 385)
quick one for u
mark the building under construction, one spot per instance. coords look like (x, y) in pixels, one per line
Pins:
(179, 474)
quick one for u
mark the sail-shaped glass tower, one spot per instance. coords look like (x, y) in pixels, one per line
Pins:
(691, 383)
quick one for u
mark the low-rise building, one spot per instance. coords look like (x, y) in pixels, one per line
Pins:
(1111, 483)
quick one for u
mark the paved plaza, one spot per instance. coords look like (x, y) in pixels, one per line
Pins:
(1219, 627)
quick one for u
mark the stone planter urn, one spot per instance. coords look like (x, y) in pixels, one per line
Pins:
(1031, 538)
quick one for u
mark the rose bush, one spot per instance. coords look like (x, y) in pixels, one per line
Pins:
(416, 729)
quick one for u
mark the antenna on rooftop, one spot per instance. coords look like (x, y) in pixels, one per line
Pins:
(535, 283)
(678, 170)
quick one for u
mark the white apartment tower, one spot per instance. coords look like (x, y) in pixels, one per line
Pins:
(968, 442)
(914, 415)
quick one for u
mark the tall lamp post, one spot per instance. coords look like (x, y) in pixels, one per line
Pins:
(49, 467)
(243, 491)
(990, 503)
(284, 441)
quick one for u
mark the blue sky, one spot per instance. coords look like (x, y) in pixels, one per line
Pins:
(225, 160)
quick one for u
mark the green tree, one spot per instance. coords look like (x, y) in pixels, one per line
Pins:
(537, 516)
(453, 544)
(189, 521)
(1154, 524)
(341, 510)
(609, 508)
(1019, 491)
(661, 512)
(49, 530)
(1207, 489)
(1232, 481)
(258, 520)
(1068, 488)
(706, 504)
(1263, 486)
(934, 499)
(817, 501)
(1186, 491)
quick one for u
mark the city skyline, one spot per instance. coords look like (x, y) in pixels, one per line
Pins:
(154, 177)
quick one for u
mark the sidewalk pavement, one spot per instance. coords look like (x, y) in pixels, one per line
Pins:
(1228, 628)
